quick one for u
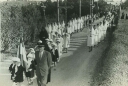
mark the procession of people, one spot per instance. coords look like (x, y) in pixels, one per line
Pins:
(54, 40)
(97, 31)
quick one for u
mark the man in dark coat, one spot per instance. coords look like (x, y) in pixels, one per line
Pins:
(122, 16)
(44, 61)
(43, 35)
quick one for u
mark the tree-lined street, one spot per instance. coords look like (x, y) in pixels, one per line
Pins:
(75, 67)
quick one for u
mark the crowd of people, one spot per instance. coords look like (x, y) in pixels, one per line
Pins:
(54, 39)
(97, 32)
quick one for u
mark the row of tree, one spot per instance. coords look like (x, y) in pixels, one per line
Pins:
(74, 12)
(29, 17)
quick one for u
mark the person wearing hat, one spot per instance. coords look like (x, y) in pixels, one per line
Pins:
(47, 45)
(55, 54)
(30, 66)
(105, 29)
(44, 60)
(90, 39)
(50, 43)
(18, 72)
(58, 47)
(75, 24)
(98, 29)
(95, 36)
(66, 41)
(60, 42)
(36, 47)
(102, 31)
(53, 36)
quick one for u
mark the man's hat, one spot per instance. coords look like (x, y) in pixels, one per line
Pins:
(16, 59)
(40, 43)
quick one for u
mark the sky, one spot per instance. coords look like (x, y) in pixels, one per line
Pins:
(115, 2)
(56, 0)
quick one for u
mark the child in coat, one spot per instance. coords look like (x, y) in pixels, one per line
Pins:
(18, 76)
(30, 66)
(55, 54)
(12, 68)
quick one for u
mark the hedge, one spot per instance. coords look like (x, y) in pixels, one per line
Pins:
(112, 69)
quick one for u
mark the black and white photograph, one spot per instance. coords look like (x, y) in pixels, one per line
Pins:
(63, 42)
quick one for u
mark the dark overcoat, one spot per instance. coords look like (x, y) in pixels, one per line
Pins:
(19, 74)
(43, 63)
(55, 55)
(31, 73)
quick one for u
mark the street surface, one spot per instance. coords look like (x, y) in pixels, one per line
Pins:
(74, 69)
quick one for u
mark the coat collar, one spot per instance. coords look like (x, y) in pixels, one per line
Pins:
(42, 55)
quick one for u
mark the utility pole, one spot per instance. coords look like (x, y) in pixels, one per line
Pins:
(58, 12)
(65, 8)
(80, 9)
(120, 5)
(91, 9)
(97, 6)
(44, 13)
(66, 11)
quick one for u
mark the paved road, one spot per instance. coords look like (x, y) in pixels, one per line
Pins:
(74, 69)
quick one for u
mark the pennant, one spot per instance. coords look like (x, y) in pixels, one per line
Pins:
(21, 53)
